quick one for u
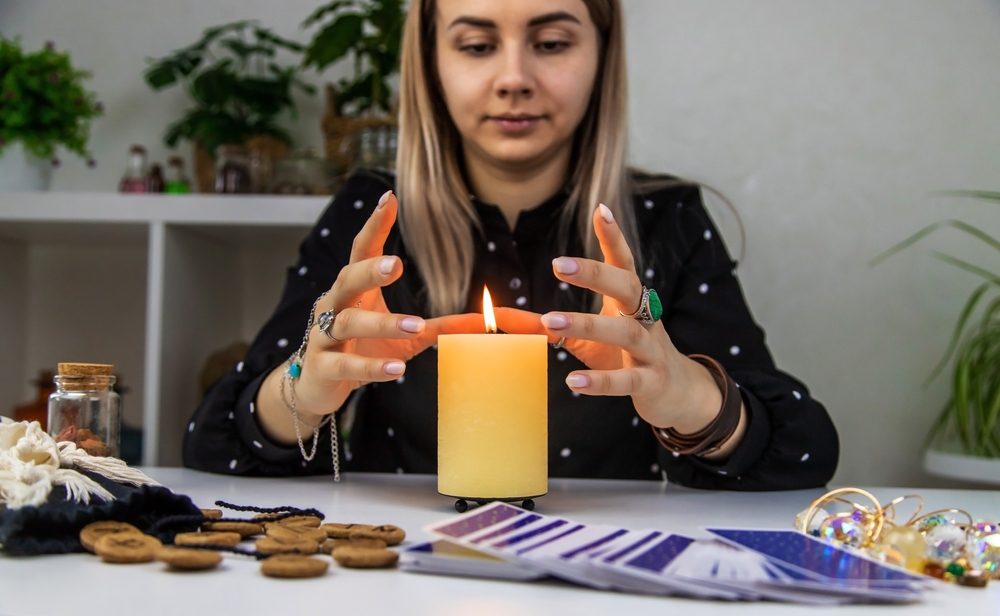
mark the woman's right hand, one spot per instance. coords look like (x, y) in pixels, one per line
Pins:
(369, 344)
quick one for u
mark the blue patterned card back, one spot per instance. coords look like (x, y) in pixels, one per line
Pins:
(816, 559)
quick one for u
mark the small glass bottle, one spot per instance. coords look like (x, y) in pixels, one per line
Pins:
(176, 180)
(134, 180)
(232, 170)
(154, 183)
(85, 409)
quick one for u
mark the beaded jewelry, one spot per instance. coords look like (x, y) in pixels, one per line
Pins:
(945, 544)
(292, 371)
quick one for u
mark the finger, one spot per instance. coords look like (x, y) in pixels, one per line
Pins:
(456, 324)
(620, 285)
(359, 278)
(370, 241)
(626, 333)
(624, 382)
(514, 321)
(357, 323)
(613, 245)
(331, 367)
(452, 324)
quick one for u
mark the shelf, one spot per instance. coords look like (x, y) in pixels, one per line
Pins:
(86, 207)
(151, 283)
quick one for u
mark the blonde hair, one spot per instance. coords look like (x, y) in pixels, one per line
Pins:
(437, 218)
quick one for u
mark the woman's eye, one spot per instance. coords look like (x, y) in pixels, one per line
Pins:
(552, 46)
(477, 49)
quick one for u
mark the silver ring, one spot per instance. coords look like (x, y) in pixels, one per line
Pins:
(559, 344)
(325, 321)
(648, 312)
(643, 298)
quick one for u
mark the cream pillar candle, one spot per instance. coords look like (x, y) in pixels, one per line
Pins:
(492, 414)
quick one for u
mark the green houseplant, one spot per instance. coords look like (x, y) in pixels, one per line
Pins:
(238, 86)
(970, 420)
(371, 31)
(43, 105)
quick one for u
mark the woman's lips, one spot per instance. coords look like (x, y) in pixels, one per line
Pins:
(515, 124)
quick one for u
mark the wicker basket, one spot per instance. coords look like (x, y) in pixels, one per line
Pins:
(204, 164)
(339, 131)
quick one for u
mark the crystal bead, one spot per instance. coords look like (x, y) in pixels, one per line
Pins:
(946, 543)
(938, 519)
(909, 542)
(817, 521)
(987, 527)
(888, 554)
(955, 569)
(986, 555)
(847, 530)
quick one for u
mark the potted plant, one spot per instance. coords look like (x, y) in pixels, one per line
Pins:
(239, 90)
(43, 106)
(369, 32)
(964, 442)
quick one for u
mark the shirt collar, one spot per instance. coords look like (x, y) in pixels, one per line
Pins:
(533, 222)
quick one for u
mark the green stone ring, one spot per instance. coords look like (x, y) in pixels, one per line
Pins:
(650, 308)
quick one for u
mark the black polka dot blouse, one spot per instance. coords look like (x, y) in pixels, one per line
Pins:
(790, 442)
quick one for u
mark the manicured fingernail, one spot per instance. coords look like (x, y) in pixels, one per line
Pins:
(412, 325)
(555, 321)
(606, 214)
(394, 368)
(578, 381)
(386, 265)
(564, 265)
(383, 200)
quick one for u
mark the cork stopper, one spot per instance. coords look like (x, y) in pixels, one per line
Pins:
(85, 377)
(68, 369)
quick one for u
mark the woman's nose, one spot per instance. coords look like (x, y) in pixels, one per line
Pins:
(515, 78)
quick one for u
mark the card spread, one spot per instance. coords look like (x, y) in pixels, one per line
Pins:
(505, 542)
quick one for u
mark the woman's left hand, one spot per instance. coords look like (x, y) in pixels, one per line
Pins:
(625, 357)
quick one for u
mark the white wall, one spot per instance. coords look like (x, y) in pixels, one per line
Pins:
(115, 38)
(827, 122)
(97, 313)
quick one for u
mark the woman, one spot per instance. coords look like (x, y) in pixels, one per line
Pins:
(512, 136)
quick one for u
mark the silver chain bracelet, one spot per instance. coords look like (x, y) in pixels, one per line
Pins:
(292, 371)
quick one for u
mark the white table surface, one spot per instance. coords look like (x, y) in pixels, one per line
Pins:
(81, 585)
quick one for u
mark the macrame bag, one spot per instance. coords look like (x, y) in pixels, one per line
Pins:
(49, 491)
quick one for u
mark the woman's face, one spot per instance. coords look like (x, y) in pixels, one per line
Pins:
(516, 75)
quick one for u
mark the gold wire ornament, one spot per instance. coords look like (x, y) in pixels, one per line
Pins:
(871, 519)
(914, 543)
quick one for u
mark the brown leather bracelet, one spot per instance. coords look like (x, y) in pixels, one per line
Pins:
(709, 439)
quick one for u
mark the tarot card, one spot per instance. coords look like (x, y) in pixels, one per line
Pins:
(447, 558)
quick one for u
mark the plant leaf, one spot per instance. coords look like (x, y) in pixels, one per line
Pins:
(214, 87)
(919, 235)
(969, 267)
(161, 75)
(956, 335)
(325, 10)
(266, 36)
(334, 41)
(243, 50)
(960, 389)
(985, 195)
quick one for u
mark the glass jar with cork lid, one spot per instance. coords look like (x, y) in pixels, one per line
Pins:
(85, 409)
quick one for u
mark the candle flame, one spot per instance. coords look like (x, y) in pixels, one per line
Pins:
(488, 316)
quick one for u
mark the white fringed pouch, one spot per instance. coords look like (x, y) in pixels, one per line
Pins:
(38, 518)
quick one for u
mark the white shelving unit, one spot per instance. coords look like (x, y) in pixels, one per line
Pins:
(152, 283)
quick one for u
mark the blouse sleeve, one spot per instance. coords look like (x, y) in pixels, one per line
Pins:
(790, 442)
(223, 435)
